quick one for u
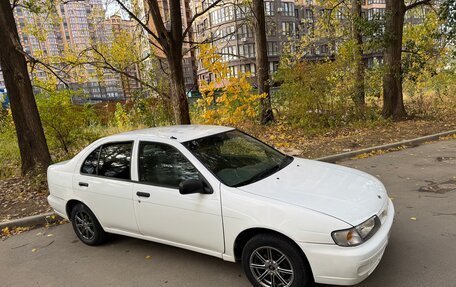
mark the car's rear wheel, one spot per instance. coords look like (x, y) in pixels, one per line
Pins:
(86, 225)
(272, 261)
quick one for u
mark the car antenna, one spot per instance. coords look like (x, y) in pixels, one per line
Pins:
(173, 137)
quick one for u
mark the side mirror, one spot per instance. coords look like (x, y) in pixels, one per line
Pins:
(191, 186)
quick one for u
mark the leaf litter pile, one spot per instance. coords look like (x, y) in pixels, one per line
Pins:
(298, 142)
(20, 197)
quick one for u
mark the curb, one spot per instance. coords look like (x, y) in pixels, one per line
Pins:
(39, 219)
(408, 143)
(42, 219)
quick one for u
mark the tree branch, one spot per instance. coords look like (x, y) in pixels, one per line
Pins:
(48, 67)
(197, 15)
(417, 3)
(162, 37)
(134, 17)
(109, 66)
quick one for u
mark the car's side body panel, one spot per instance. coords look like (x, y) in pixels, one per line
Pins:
(60, 184)
(192, 220)
(243, 211)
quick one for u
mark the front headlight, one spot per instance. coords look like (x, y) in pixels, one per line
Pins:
(358, 234)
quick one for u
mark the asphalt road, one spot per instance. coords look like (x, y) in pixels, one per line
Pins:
(422, 249)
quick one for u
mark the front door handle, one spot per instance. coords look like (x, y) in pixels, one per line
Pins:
(143, 194)
(84, 184)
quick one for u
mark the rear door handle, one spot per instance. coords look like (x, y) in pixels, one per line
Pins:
(143, 194)
(84, 184)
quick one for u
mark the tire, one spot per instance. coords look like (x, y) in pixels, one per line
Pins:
(86, 225)
(273, 261)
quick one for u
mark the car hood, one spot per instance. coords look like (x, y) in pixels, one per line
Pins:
(347, 194)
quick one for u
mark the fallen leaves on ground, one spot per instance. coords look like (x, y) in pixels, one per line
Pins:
(10, 231)
(299, 142)
(20, 197)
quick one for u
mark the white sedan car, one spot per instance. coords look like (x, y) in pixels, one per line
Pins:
(221, 192)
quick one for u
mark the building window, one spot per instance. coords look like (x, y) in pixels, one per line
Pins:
(269, 8)
(248, 68)
(288, 28)
(223, 14)
(247, 50)
(375, 13)
(242, 11)
(244, 32)
(226, 33)
(273, 48)
(233, 71)
(189, 81)
(288, 9)
(228, 53)
(375, 2)
(324, 49)
(309, 14)
(273, 67)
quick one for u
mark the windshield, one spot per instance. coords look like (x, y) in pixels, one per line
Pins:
(237, 159)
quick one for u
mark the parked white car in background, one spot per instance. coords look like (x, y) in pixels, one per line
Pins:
(218, 191)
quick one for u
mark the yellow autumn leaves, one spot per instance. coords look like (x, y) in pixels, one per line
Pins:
(227, 100)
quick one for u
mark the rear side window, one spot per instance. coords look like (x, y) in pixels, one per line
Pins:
(110, 160)
(91, 162)
(163, 165)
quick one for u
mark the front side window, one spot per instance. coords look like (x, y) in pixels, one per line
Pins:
(163, 165)
(237, 159)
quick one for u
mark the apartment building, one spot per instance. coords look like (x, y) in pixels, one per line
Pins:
(231, 33)
(77, 25)
(228, 26)
(117, 25)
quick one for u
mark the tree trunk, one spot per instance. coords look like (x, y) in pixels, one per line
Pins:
(393, 103)
(262, 63)
(179, 95)
(30, 135)
(359, 95)
(170, 37)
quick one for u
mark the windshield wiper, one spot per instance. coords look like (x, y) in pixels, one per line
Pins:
(267, 172)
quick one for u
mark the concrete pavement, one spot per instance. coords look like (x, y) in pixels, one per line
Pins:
(421, 252)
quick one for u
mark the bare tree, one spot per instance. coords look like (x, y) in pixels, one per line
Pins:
(32, 142)
(262, 63)
(169, 37)
(393, 101)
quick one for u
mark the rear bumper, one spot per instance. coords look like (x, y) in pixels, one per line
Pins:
(58, 204)
(333, 264)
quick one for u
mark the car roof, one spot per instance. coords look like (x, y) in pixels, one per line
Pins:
(181, 133)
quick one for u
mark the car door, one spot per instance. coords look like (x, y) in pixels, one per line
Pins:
(193, 221)
(104, 184)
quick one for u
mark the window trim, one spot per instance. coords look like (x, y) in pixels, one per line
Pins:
(203, 179)
(98, 161)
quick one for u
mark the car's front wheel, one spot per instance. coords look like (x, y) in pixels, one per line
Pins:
(86, 225)
(272, 261)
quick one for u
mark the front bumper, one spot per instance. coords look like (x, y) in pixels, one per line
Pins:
(333, 264)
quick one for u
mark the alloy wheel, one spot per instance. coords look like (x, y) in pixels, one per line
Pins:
(85, 225)
(271, 268)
